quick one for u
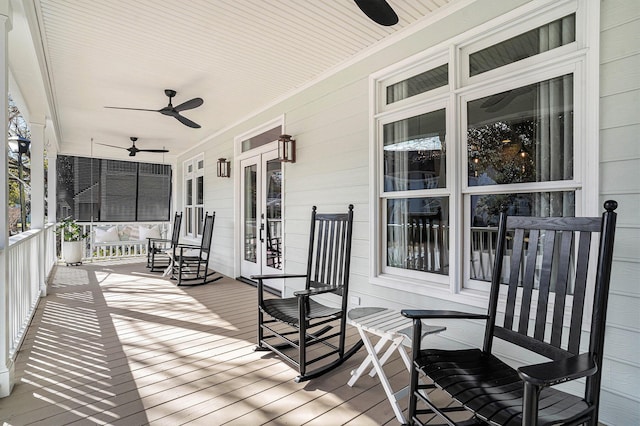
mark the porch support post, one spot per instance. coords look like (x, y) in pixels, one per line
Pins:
(52, 176)
(37, 197)
(6, 363)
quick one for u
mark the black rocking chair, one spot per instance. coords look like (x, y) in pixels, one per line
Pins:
(543, 310)
(299, 322)
(159, 249)
(190, 263)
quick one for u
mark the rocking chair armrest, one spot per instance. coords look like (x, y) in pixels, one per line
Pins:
(555, 372)
(276, 276)
(433, 314)
(187, 246)
(314, 291)
(152, 240)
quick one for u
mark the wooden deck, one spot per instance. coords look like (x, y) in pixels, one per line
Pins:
(115, 344)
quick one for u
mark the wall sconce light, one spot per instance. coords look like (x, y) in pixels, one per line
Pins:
(286, 149)
(224, 167)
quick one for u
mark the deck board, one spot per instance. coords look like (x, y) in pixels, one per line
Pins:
(114, 344)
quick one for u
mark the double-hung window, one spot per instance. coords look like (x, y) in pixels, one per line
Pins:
(194, 196)
(494, 118)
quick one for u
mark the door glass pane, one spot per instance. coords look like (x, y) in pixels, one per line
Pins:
(542, 39)
(273, 214)
(522, 135)
(250, 222)
(418, 234)
(414, 153)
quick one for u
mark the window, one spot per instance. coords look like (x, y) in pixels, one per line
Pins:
(511, 140)
(194, 196)
(91, 189)
(414, 169)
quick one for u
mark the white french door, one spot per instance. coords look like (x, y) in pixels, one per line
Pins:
(261, 217)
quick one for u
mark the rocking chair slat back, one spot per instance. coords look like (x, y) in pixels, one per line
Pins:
(175, 233)
(329, 255)
(547, 255)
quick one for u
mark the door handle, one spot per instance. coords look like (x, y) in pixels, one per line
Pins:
(261, 230)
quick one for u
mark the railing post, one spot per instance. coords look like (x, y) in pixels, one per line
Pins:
(6, 364)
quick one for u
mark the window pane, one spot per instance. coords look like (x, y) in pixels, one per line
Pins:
(536, 41)
(418, 234)
(118, 191)
(154, 192)
(200, 190)
(485, 210)
(199, 220)
(188, 217)
(189, 195)
(522, 135)
(417, 84)
(414, 153)
(261, 139)
(78, 188)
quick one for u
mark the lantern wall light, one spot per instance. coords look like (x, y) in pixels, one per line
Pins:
(224, 167)
(286, 149)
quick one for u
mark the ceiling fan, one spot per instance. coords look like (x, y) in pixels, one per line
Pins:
(174, 111)
(379, 11)
(133, 150)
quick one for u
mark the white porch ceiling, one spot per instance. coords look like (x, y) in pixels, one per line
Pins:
(238, 55)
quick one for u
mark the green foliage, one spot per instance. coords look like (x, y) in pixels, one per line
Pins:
(70, 230)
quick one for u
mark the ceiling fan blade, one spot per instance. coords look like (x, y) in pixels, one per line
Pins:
(193, 103)
(134, 109)
(186, 121)
(378, 11)
(153, 150)
(112, 146)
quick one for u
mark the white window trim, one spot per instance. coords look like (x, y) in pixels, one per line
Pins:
(581, 56)
(193, 175)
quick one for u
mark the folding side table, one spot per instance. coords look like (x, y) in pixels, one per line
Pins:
(394, 329)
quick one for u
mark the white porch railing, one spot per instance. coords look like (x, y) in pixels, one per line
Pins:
(130, 243)
(28, 271)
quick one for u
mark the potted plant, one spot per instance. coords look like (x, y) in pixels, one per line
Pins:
(72, 240)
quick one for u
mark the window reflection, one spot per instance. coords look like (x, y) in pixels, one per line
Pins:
(414, 153)
(418, 234)
(522, 135)
(485, 212)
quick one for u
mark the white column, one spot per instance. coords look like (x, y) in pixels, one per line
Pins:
(37, 175)
(37, 197)
(6, 364)
(52, 176)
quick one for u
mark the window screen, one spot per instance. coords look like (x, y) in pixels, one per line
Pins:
(112, 191)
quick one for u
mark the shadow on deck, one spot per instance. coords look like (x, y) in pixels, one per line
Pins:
(115, 344)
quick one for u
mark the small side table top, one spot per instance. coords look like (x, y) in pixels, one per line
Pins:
(392, 328)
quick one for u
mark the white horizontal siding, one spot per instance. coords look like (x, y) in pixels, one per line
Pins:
(331, 125)
(620, 180)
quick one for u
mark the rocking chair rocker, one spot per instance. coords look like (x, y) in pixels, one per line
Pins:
(299, 322)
